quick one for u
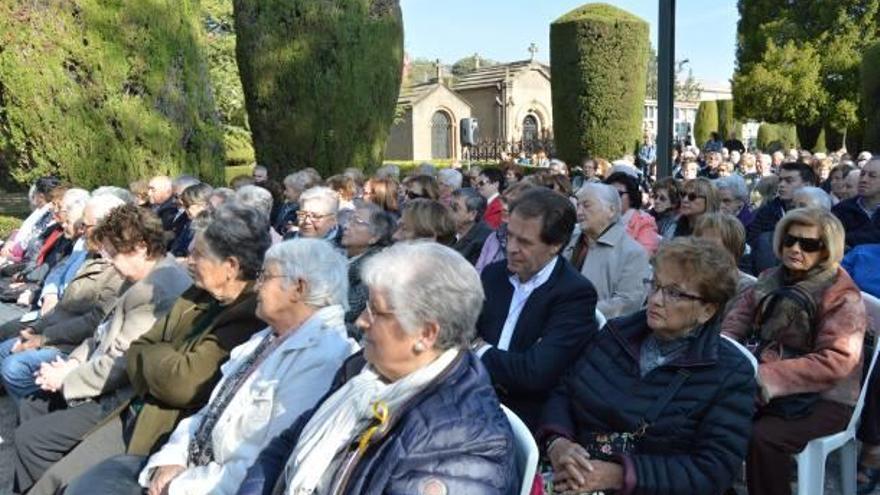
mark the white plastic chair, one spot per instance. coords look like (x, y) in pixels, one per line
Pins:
(600, 319)
(811, 461)
(745, 352)
(526, 454)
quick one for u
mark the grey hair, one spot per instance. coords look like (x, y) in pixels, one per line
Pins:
(260, 167)
(814, 197)
(450, 177)
(300, 180)
(425, 168)
(428, 282)
(473, 201)
(181, 182)
(608, 195)
(388, 170)
(123, 194)
(735, 184)
(382, 224)
(74, 201)
(255, 197)
(223, 193)
(240, 232)
(324, 195)
(318, 264)
(102, 204)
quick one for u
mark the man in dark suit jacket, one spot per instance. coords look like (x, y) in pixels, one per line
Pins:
(539, 311)
(467, 207)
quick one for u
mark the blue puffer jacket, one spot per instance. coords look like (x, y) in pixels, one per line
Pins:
(699, 441)
(452, 434)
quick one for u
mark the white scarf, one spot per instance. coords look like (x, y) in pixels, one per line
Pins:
(347, 413)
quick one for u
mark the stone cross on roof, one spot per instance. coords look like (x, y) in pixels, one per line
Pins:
(439, 68)
(533, 50)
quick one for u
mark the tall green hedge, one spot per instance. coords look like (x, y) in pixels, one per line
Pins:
(320, 79)
(598, 56)
(773, 137)
(706, 121)
(103, 92)
(726, 121)
(870, 80)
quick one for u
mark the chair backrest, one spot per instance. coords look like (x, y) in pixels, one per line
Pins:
(741, 348)
(600, 319)
(872, 307)
(750, 277)
(526, 454)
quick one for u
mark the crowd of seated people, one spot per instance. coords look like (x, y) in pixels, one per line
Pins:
(374, 333)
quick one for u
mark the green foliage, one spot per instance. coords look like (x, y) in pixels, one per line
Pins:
(7, 225)
(800, 63)
(469, 64)
(870, 86)
(320, 78)
(598, 56)
(726, 122)
(820, 146)
(773, 137)
(105, 92)
(706, 121)
(686, 86)
(234, 171)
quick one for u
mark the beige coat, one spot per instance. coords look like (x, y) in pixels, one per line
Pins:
(617, 266)
(102, 355)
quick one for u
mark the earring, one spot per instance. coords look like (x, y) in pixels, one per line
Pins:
(419, 347)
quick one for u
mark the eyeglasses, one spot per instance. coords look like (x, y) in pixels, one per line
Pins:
(414, 195)
(668, 292)
(372, 313)
(308, 215)
(358, 221)
(693, 197)
(262, 276)
(807, 244)
(621, 193)
(481, 183)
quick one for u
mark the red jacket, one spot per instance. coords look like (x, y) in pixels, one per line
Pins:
(492, 216)
(834, 368)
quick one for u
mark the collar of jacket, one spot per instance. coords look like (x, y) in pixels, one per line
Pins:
(476, 229)
(630, 331)
(560, 265)
(612, 235)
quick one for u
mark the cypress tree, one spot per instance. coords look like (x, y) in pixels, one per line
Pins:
(726, 123)
(320, 78)
(706, 121)
(598, 56)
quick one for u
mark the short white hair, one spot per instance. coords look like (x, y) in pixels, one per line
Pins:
(255, 197)
(326, 197)
(389, 170)
(102, 204)
(606, 194)
(814, 197)
(318, 264)
(428, 282)
(735, 184)
(123, 194)
(450, 177)
(74, 202)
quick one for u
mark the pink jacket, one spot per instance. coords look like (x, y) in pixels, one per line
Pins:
(643, 229)
(834, 368)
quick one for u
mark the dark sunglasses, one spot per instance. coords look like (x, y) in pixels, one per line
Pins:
(693, 196)
(807, 244)
(414, 195)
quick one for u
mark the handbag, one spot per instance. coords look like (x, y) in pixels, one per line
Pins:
(605, 446)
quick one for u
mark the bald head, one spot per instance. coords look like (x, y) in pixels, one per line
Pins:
(160, 189)
(869, 180)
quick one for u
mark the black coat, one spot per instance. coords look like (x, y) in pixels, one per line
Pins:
(699, 441)
(556, 322)
(860, 229)
(471, 244)
(766, 218)
(167, 212)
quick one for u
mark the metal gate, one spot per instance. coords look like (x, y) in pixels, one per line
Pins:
(530, 129)
(441, 132)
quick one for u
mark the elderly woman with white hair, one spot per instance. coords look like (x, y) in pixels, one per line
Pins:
(416, 412)
(260, 199)
(317, 216)
(268, 382)
(733, 196)
(812, 197)
(605, 254)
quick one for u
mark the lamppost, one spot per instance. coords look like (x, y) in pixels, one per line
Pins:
(665, 86)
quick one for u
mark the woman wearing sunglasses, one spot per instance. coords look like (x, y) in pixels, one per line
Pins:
(806, 321)
(698, 196)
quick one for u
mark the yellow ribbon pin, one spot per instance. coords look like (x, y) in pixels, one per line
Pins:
(380, 414)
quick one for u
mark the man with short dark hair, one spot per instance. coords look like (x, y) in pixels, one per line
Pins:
(861, 215)
(539, 311)
(467, 207)
(792, 176)
(490, 184)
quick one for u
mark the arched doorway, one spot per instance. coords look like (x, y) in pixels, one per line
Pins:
(531, 130)
(441, 136)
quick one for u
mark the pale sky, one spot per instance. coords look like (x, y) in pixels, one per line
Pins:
(503, 29)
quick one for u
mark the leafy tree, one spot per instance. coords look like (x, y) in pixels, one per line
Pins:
(105, 92)
(469, 64)
(870, 74)
(798, 60)
(686, 86)
(598, 56)
(321, 79)
(773, 137)
(706, 121)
